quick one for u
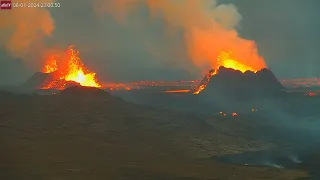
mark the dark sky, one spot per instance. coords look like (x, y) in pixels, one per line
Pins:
(286, 33)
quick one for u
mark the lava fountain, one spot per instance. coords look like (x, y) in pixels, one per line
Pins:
(227, 60)
(68, 68)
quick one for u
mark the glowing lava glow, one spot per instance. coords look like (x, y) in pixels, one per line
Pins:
(178, 91)
(69, 68)
(234, 114)
(203, 84)
(226, 60)
(310, 94)
(51, 65)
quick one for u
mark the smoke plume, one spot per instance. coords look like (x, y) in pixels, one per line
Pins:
(208, 27)
(22, 28)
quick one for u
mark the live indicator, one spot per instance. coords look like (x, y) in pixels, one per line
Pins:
(6, 5)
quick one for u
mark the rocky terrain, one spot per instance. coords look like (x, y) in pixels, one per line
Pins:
(84, 134)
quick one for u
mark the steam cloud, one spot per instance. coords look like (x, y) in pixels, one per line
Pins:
(209, 27)
(22, 28)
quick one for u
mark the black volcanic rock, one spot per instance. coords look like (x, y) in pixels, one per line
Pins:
(36, 80)
(83, 91)
(236, 85)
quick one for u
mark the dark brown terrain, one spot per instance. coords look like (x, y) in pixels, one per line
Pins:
(235, 85)
(86, 134)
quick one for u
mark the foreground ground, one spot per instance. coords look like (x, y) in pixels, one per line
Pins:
(86, 134)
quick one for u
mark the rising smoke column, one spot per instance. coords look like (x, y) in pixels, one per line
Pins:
(22, 28)
(209, 28)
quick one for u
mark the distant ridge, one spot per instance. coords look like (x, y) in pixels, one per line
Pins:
(83, 91)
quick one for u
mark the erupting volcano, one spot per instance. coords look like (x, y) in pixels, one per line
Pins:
(68, 69)
(232, 84)
(225, 59)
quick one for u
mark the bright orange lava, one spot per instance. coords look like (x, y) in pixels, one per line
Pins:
(68, 68)
(51, 65)
(178, 91)
(203, 84)
(234, 114)
(226, 60)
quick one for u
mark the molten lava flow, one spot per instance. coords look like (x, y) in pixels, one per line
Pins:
(203, 84)
(226, 60)
(178, 91)
(68, 69)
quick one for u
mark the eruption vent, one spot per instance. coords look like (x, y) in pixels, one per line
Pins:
(225, 59)
(68, 68)
(209, 27)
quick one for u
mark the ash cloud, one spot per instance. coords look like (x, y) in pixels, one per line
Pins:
(23, 27)
(12, 70)
(208, 28)
(140, 39)
(22, 41)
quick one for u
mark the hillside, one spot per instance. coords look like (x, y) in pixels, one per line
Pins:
(234, 85)
(84, 133)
